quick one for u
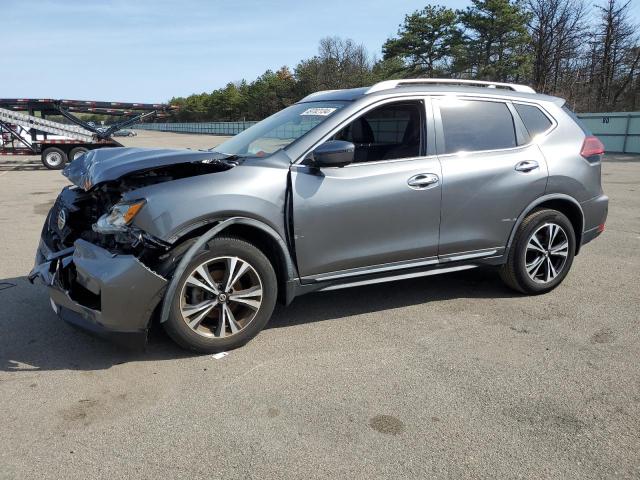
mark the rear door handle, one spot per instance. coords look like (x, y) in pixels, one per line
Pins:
(526, 166)
(423, 180)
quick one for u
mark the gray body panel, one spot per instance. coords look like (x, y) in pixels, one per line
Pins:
(248, 190)
(483, 195)
(364, 214)
(569, 173)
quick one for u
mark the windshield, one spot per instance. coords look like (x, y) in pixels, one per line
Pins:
(280, 129)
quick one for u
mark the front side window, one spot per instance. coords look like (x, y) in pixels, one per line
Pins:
(534, 120)
(476, 125)
(392, 131)
(280, 129)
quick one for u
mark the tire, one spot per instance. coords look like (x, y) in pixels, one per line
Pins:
(54, 158)
(532, 267)
(77, 151)
(223, 318)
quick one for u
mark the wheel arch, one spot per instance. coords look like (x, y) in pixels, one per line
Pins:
(264, 237)
(565, 204)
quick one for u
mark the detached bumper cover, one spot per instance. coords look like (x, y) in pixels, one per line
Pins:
(110, 295)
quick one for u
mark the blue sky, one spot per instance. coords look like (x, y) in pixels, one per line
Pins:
(151, 50)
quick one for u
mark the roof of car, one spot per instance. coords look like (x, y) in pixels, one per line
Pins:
(353, 94)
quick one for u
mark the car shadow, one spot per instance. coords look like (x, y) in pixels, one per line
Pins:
(337, 304)
(32, 338)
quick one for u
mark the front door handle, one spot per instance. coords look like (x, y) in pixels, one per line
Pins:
(526, 166)
(422, 180)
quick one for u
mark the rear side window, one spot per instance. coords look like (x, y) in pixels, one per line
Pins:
(474, 125)
(534, 120)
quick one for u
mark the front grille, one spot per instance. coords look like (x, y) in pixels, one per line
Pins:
(80, 212)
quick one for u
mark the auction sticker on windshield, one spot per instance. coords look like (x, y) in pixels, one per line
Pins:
(323, 112)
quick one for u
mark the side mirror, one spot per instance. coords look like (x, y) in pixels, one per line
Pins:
(334, 153)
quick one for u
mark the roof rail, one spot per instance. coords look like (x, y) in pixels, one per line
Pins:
(388, 84)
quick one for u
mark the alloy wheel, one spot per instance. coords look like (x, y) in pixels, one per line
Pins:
(221, 297)
(546, 252)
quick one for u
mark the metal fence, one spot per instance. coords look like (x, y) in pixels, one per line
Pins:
(619, 131)
(208, 128)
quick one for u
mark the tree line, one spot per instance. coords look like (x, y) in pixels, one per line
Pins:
(587, 54)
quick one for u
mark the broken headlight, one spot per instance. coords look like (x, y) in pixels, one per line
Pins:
(118, 218)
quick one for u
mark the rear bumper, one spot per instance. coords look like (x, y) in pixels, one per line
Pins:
(109, 295)
(595, 215)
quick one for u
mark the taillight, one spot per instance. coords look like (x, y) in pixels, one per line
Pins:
(591, 146)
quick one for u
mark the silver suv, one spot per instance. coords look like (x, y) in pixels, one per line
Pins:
(345, 188)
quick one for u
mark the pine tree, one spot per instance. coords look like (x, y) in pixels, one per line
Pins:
(496, 40)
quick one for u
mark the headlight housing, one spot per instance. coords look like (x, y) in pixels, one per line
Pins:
(119, 217)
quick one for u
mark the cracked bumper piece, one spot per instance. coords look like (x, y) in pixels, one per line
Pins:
(110, 295)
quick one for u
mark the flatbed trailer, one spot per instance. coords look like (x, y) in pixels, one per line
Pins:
(26, 130)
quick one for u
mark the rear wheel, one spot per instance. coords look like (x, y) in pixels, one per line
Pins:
(54, 158)
(541, 254)
(76, 152)
(225, 296)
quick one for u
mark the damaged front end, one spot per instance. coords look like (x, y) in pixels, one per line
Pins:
(111, 296)
(104, 274)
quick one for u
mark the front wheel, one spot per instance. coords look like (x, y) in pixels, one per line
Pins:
(225, 296)
(541, 253)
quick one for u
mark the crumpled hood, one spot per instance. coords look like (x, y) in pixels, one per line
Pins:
(106, 164)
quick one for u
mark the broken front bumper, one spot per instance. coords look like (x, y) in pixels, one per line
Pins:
(110, 295)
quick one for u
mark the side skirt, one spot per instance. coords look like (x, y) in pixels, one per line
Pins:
(393, 278)
(393, 272)
(372, 279)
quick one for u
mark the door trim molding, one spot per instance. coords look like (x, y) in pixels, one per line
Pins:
(369, 270)
(403, 265)
(392, 278)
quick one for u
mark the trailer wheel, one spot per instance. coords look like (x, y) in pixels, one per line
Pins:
(53, 158)
(76, 152)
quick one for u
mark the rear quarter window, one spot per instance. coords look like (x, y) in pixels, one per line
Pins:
(534, 120)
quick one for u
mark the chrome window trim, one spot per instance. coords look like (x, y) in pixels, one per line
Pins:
(298, 166)
(473, 152)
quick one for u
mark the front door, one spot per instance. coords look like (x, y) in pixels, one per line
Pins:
(381, 211)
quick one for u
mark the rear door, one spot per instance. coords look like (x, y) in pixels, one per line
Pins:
(491, 171)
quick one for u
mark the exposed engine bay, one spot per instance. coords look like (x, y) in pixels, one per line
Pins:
(77, 211)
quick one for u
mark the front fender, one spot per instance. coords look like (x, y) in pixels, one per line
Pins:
(175, 207)
(290, 268)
